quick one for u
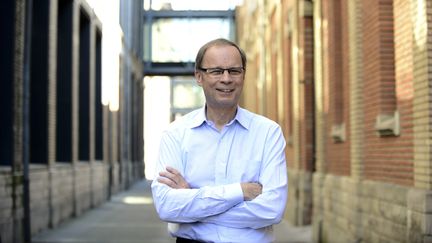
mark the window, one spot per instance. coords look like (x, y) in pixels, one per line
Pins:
(84, 88)
(178, 39)
(64, 82)
(6, 90)
(39, 85)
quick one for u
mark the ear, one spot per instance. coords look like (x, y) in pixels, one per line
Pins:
(198, 77)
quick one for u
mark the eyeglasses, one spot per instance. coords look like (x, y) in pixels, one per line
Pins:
(218, 72)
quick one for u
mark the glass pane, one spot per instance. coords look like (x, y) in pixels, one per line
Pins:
(178, 39)
(186, 94)
(191, 4)
(146, 43)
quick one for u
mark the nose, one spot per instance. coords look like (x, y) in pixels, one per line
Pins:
(226, 75)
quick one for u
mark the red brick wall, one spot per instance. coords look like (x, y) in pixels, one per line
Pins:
(271, 83)
(288, 121)
(387, 68)
(336, 78)
(307, 111)
(404, 92)
(388, 87)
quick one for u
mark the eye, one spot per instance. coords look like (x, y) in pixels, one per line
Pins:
(235, 71)
(215, 71)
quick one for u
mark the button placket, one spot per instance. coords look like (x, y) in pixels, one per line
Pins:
(223, 151)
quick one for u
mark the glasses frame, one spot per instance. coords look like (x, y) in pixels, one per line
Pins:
(222, 71)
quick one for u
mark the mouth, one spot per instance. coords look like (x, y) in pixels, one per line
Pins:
(227, 91)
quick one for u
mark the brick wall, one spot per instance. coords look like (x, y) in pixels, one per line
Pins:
(369, 167)
(60, 186)
(404, 93)
(382, 151)
(422, 27)
(307, 111)
(336, 87)
(286, 96)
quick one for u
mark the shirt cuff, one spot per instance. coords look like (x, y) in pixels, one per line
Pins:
(234, 193)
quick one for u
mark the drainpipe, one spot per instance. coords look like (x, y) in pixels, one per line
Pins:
(26, 120)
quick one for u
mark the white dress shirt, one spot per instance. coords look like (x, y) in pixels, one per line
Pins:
(248, 149)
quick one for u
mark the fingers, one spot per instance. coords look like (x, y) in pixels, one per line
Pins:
(172, 178)
(251, 190)
(256, 189)
(168, 179)
(168, 175)
(167, 182)
(173, 171)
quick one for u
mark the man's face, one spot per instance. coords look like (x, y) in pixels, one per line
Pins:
(222, 90)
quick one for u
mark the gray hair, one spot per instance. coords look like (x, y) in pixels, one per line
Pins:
(218, 42)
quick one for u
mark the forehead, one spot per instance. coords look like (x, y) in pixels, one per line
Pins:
(222, 55)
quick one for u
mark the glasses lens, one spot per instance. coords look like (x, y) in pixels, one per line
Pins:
(217, 72)
(235, 71)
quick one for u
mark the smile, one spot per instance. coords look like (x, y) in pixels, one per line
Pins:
(225, 90)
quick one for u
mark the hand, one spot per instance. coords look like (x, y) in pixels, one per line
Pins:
(251, 190)
(172, 178)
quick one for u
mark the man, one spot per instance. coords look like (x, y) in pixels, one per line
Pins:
(222, 169)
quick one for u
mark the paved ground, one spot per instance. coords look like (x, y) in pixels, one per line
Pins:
(129, 217)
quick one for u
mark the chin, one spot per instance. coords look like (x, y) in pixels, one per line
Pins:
(227, 104)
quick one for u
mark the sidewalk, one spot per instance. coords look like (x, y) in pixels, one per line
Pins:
(129, 217)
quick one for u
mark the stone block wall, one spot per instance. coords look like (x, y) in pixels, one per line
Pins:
(99, 183)
(62, 188)
(346, 210)
(63, 191)
(384, 212)
(39, 198)
(299, 205)
(83, 187)
(11, 210)
(115, 178)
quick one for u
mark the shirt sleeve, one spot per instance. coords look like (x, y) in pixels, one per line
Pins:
(268, 208)
(189, 205)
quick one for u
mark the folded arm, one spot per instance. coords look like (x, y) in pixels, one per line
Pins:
(180, 203)
(267, 208)
(173, 198)
(240, 205)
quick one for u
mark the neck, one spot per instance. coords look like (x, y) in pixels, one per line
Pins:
(220, 116)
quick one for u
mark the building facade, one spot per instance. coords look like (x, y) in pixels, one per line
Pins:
(62, 151)
(349, 83)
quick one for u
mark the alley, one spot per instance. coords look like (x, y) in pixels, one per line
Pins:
(88, 87)
(129, 217)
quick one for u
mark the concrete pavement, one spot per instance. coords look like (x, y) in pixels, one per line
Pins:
(129, 217)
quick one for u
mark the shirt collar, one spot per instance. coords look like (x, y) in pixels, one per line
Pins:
(242, 117)
(199, 118)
